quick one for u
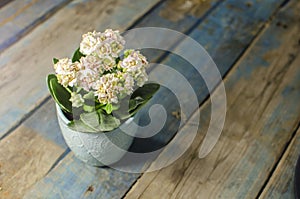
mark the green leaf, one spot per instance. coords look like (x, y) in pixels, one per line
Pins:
(95, 122)
(91, 120)
(60, 95)
(108, 122)
(134, 103)
(141, 96)
(78, 89)
(78, 125)
(122, 113)
(115, 107)
(138, 99)
(89, 96)
(146, 91)
(108, 108)
(88, 108)
(134, 111)
(55, 60)
(77, 55)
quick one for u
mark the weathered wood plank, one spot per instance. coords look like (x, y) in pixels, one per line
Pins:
(262, 91)
(25, 157)
(177, 15)
(19, 17)
(281, 184)
(45, 123)
(35, 51)
(28, 153)
(165, 99)
(58, 185)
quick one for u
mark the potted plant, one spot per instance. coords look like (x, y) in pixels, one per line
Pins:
(98, 91)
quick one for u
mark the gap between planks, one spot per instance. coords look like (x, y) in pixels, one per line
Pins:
(279, 163)
(4, 2)
(19, 34)
(187, 32)
(26, 164)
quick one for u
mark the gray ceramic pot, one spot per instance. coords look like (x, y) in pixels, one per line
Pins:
(98, 149)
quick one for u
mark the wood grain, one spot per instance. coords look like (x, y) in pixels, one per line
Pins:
(281, 184)
(162, 17)
(24, 66)
(25, 157)
(19, 17)
(44, 122)
(178, 9)
(59, 177)
(113, 183)
(262, 91)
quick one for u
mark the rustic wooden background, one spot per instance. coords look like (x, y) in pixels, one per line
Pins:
(255, 44)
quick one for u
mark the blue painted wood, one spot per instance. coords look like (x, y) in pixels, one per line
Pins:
(166, 16)
(19, 17)
(281, 183)
(87, 186)
(24, 158)
(229, 39)
(44, 122)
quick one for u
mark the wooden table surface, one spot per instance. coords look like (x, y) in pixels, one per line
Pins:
(254, 43)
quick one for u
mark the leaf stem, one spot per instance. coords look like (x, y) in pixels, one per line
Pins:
(99, 106)
(69, 90)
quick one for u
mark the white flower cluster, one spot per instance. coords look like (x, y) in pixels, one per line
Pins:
(66, 71)
(104, 45)
(133, 64)
(101, 70)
